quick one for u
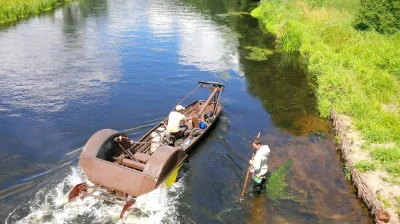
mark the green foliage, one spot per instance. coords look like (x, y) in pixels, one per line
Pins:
(11, 10)
(256, 12)
(386, 202)
(393, 168)
(386, 154)
(315, 3)
(276, 187)
(382, 16)
(366, 165)
(257, 53)
(356, 73)
(290, 41)
(347, 173)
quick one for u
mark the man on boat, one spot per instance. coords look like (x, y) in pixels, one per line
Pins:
(175, 120)
(259, 165)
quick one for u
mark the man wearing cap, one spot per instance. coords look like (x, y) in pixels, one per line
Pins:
(175, 119)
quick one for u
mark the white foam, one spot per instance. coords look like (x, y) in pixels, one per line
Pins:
(50, 205)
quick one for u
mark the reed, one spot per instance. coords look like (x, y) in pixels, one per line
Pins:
(357, 73)
(12, 10)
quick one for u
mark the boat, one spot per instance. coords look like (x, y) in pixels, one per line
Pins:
(120, 169)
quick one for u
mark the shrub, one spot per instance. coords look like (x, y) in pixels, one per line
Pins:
(382, 16)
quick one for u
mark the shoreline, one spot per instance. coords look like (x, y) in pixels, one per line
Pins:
(351, 78)
(15, 10)
(349, 145)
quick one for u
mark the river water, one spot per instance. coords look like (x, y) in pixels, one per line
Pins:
(123, 65)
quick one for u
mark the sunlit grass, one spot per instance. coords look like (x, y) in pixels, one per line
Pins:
(386, 154)
(11, 10)
(366, 165)
(357, 73)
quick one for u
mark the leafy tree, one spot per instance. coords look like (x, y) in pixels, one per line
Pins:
(380, 15)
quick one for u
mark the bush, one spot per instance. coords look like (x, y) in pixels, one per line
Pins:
(382, 16)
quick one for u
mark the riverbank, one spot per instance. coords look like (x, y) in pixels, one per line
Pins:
(12, 10)
(357, 74)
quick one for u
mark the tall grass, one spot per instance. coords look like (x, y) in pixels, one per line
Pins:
(357, 73)
(11, 10)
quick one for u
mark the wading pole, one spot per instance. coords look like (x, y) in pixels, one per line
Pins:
(248, 171)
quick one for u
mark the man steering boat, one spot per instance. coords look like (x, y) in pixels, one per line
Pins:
(176, 121)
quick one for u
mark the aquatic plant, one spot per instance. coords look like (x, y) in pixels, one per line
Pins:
(238, 13)
(11, 10)
(276, 187)
(347, 173)
(258, 54)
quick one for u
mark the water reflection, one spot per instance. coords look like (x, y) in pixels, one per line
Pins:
(283, 88)
(45, 67)
(204, 44)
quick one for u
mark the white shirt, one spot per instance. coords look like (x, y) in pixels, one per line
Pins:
(174, 121)
(260, 166)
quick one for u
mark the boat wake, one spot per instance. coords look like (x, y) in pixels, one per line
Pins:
(50, 205)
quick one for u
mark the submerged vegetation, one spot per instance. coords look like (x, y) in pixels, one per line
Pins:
(257, 53)
(357, 72)
(276, 187)
(12, 10)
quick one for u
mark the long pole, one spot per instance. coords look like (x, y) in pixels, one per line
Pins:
(188, 96)
(248, 171)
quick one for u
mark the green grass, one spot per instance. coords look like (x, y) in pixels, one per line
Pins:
(357, 73)
(366, 165)
(386, 154)
(386, 202)
(12, 10)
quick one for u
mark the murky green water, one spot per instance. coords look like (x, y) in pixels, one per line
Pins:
(123, 65)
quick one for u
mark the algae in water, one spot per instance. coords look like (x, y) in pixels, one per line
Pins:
(258, 54)
(276, 187)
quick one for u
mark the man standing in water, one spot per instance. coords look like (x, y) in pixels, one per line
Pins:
(259, 165)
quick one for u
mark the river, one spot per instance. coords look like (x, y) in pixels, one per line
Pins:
(123, 65)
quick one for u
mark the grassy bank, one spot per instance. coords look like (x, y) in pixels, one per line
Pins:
(12, 10)
(357, 73)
